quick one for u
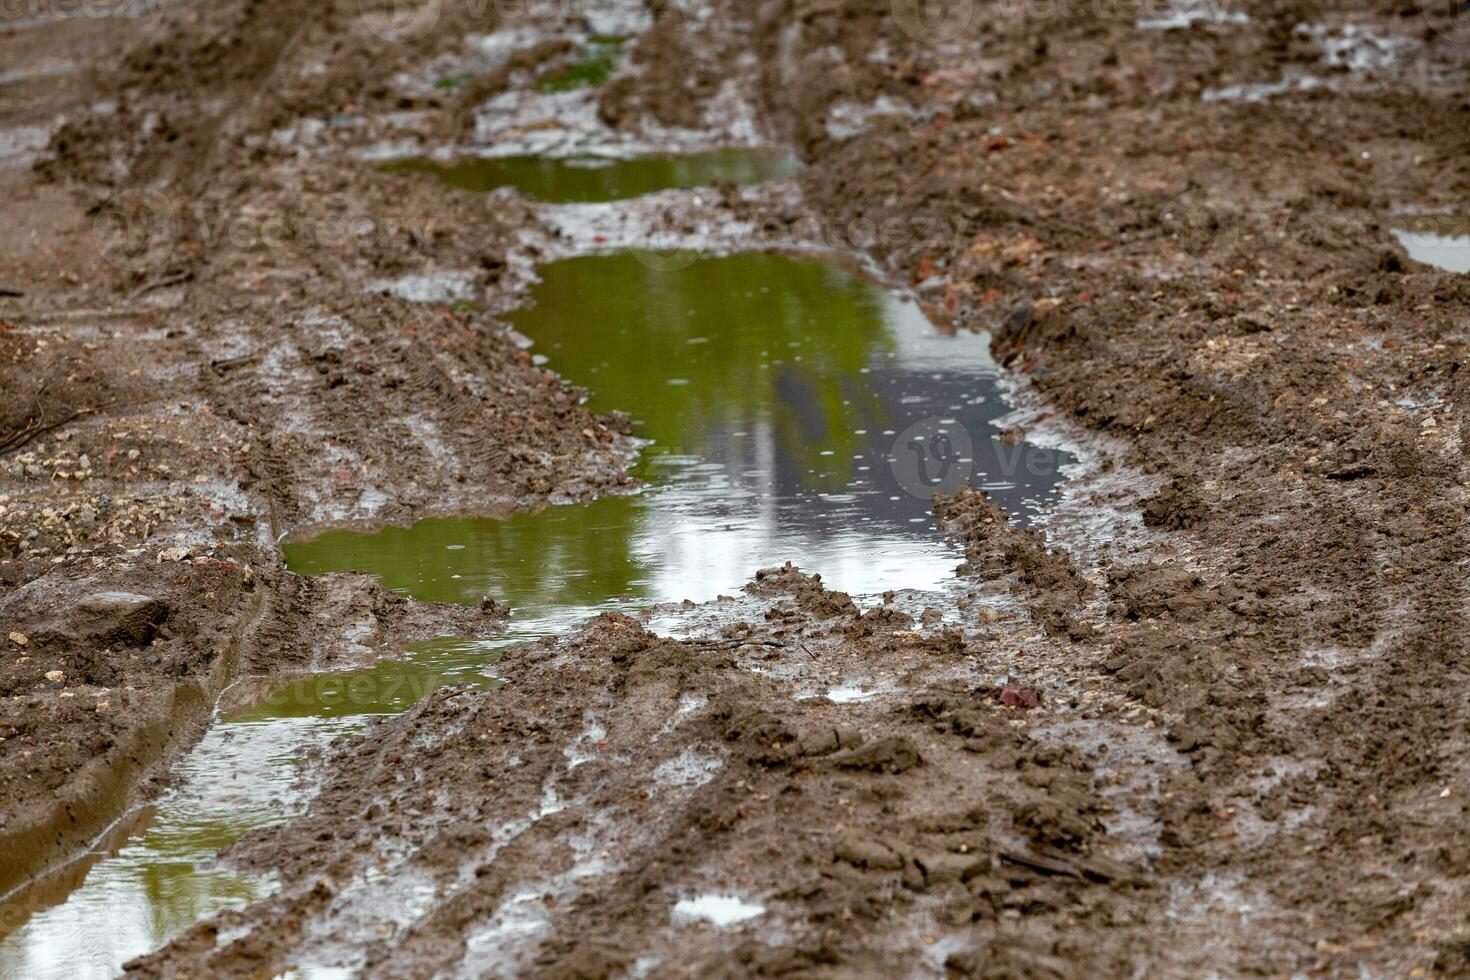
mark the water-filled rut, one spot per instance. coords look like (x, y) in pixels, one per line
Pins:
(792, 411)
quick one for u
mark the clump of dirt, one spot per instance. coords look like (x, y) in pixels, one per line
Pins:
(994, 547)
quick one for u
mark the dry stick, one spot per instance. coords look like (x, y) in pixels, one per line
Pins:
(153, 284)
(732, 644)
(23, 436)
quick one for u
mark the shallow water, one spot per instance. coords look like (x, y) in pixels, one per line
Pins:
(1440, 240)
(793, 412)
(160, 877)
(586, 179)
(593, 68)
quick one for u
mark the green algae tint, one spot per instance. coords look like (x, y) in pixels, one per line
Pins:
(593, 68)
(581, 180)
(780, 399)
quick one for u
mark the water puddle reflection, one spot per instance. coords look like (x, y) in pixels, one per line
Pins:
(156, 875)
(794, 412)
(1440, 240)
(588, 179)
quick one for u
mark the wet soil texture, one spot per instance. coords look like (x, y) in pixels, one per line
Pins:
(1204, 713)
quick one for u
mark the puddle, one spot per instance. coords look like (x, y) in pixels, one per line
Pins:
(850, 694)
(721, 910)
(588, 179)
(593, 68)
(1440, 240)
(795, 412)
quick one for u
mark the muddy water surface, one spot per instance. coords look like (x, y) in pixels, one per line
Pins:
(1440, 240)
(792, 411)
(586, 179)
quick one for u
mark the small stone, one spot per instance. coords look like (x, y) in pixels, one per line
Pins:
(19, 639)
(55, 675)
(1018, 697)
(173, 554)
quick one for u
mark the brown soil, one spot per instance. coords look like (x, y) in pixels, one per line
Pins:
(1226, 734)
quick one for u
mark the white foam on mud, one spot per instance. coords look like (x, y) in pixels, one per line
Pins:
(20, 144)
(1356, 48)
(848, 119)
(519, 919)
(720, 910)
(1261, 91)
(1359, 50)
(441, 287)
(498, 46)
(583, 748)
(1186, 13)
(318, 973)
(850, 694)
(49, 69)
(688, 704)
(689, 769)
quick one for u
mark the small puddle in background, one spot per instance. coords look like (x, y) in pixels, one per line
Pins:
(589, 179)
(593, 68)
(1440, 240)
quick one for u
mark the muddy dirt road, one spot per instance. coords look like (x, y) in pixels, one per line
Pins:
(273, 269)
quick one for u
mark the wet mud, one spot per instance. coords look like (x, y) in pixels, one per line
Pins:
(1204, 713)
